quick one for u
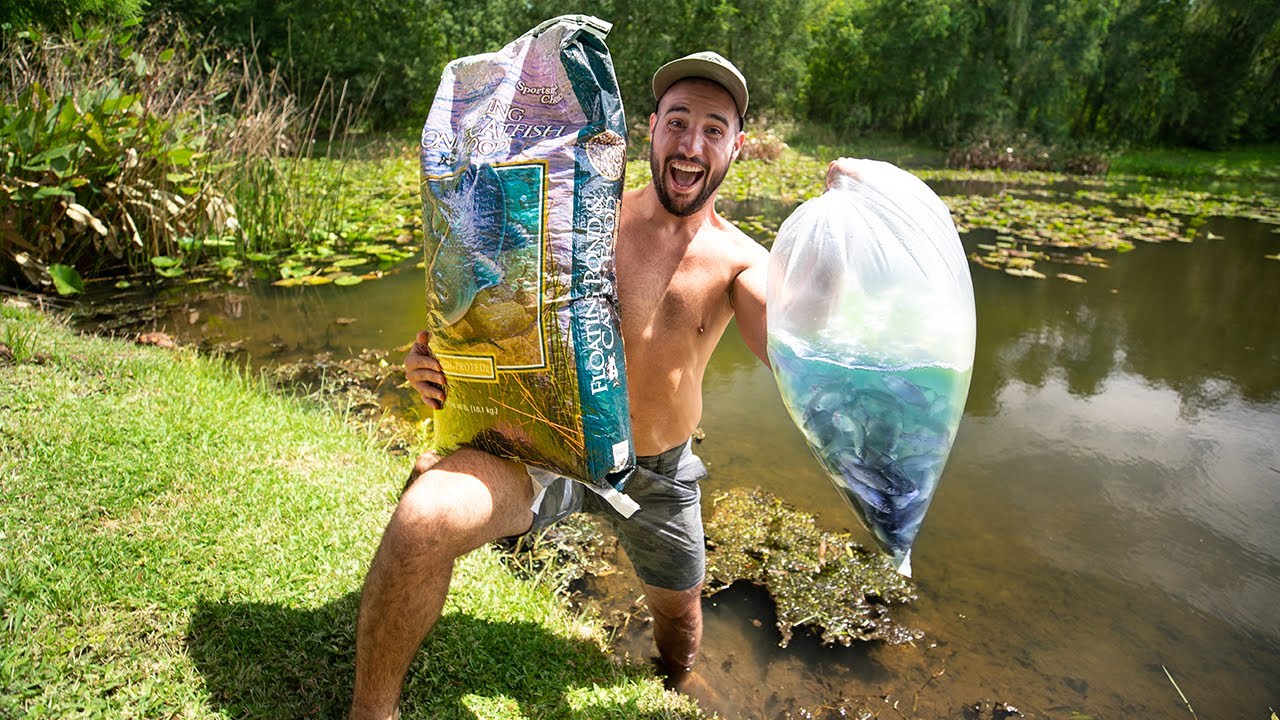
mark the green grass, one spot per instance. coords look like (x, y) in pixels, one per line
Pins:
(180, 541)
(1258, 163)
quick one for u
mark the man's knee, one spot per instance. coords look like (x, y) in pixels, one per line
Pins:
(464, 500)
(681, 609)
(425, 462)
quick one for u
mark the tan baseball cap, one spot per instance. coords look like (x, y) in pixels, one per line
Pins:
(706, 65)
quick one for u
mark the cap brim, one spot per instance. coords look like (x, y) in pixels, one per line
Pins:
(686, 68)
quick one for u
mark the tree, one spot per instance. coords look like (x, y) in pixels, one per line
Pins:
(1222, 42)
(58, 14)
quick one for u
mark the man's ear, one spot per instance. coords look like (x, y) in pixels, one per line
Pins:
(653, 122)
(737, 144)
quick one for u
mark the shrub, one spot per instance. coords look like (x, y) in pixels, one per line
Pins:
(105, 158)
(22, 14)
(763, 145)
(1003, 150)
(129, 151)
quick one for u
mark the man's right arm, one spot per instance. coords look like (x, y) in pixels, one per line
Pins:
(424, 372)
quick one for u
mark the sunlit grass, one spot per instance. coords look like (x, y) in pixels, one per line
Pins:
(1247, 164)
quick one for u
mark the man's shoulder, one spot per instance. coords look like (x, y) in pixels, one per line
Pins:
(733, 239)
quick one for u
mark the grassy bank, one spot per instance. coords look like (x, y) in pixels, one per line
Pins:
(1259, 163)
(180, 541)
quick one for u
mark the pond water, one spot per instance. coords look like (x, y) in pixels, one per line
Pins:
(1110, 511)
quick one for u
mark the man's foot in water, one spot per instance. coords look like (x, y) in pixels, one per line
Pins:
(687, 681)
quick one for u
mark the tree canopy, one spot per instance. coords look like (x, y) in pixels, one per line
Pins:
(1202, 73)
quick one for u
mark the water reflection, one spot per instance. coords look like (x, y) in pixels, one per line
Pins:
(1110, 505)
(1177, 314)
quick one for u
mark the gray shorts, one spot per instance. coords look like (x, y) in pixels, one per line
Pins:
(663, 539)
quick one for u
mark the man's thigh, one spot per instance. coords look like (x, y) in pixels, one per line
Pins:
(664, 538)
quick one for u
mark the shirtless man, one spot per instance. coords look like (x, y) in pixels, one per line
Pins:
(683, 272)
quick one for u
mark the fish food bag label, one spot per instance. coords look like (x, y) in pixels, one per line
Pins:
(871, 338)
(523, 155)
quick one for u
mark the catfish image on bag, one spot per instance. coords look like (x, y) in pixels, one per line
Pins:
(522, 155)
(871, 338)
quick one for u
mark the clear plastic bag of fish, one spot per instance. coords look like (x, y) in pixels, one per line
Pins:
(871, 339)
(523, 155)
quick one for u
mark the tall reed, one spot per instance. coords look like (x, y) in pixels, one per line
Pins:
(285, 162)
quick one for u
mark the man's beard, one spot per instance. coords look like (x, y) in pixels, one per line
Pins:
(668, 203)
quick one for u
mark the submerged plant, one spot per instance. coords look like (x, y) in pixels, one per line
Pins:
(817, 578)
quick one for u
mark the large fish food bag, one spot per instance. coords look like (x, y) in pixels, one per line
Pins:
(871, 338)
(523, 155)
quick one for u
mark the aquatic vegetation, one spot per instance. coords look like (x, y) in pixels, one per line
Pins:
(817, 578)
(106, 159)
(375, 227)
(1021, 221)
(1253, 205)
(1038, 217)
(762, 228)
(1096, 219)
(1030, 230)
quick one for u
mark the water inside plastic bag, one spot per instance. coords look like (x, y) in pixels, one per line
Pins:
(871, 339)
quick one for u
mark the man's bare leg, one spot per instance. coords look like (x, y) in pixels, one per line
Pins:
(464, 501)
(677, 631)
(677, 628)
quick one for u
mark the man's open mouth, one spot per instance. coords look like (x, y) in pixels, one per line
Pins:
(685, 175)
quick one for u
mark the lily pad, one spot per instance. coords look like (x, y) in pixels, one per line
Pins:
(1025, 272)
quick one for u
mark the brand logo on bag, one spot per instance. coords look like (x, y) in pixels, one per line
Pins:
(491, 133)
(601, 359)
(547, 95)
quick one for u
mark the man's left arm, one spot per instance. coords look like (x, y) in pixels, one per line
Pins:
(747, 295)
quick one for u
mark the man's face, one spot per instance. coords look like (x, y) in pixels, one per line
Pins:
(695, 138)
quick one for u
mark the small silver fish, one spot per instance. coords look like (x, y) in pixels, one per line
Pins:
(907, 391)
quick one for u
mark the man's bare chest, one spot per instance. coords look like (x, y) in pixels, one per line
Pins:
(671, 294)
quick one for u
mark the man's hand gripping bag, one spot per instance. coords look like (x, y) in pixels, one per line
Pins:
(523, 155)
(871, 338)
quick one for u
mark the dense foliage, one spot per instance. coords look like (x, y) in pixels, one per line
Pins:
(1203, 73)
(19, 14)
(135, 146)
(104, 152)
(131, 147)
(1143, 71)
(1137, 71)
